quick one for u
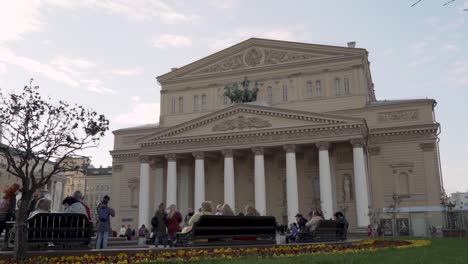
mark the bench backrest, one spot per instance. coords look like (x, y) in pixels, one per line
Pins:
(217, 226)
(327, 225)
(48, 227)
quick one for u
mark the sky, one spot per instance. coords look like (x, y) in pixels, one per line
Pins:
(106, 54)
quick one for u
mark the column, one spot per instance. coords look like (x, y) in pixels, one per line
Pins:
(259, 183)
(171, 189)
(326, 197)
(229, 187)
(199, 179)
(360, 184)
(144, 209)
(292, 193)
(183, 186)
(159, 185)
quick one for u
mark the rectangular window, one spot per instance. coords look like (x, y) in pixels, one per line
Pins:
(181, 104)
(318, 88)
(270, 94)
(285, 92)
(337, 87)
(309, 89)
(196, 103)
(346, 86)
(173, 105)
(203, 103)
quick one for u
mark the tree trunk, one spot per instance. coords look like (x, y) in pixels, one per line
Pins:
(21, 227)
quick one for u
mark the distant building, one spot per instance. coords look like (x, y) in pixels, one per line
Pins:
(98, 183)
(76, 179)
(460, 200)
(55, 186)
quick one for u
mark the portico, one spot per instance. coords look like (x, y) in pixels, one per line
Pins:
(239, 125)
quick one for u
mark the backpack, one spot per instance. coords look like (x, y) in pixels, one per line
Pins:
(154, 222)
(103, 214)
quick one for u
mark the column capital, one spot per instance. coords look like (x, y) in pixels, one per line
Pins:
(289, 148)
(357, 142)
(171, 157)
(198, 155)
(323, 145)
(227, 153)
(144, 159)
(257, 150)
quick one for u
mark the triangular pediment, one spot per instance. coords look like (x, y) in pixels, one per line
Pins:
(243, 118)
(258, 53)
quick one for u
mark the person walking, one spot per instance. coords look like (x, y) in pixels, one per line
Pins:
(173, 220)
(158, 222)
(103, 224)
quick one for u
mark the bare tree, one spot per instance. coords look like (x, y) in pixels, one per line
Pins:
(38, 139)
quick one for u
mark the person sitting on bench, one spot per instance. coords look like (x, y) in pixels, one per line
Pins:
(42, 206)
(205, 210)
(315, 217)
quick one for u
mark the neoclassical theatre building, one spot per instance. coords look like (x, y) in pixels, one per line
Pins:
(315, 137)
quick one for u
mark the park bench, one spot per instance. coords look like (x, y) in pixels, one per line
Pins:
(214, 230)
(60, 230)
(327, 230)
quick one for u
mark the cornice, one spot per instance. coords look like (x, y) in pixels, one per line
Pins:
(406, 133)
(258, 70)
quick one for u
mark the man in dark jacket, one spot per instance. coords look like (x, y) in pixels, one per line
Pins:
(301, 221)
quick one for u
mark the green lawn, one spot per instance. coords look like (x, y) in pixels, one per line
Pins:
(450, 251)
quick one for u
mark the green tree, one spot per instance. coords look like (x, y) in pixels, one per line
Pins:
(38, 137)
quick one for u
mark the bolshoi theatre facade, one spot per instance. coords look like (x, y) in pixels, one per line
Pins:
(315, 137)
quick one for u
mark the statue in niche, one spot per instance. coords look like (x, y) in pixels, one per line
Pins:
(238, 95)
(347, 188)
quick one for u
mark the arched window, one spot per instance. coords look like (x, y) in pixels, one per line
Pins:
(318, 88)
(309, 89)
(196, 104)
(337, 87)
(173, 105)
(403, 183)
(203, 103)
(285, 92)
(181, 104)
(346, 86)
(270, 94)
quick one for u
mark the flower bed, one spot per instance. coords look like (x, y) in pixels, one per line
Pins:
(229, 253)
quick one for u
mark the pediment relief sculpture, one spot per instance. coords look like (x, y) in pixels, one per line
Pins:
(254, 57)
(241, 123)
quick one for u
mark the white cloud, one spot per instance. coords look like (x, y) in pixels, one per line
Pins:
(3, 68)
(35, 67)
(169, 40)
(72, 65)
(18, 18)
(222, 4)
(458, 73)
(450, 47)
(97, 87)
(418, 47)
(141, 113)
(141, 10)
(127, 72)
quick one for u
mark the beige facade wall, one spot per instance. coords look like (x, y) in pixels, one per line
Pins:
(399, 136)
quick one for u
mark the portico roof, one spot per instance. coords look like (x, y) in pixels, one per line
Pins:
(244, 125)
